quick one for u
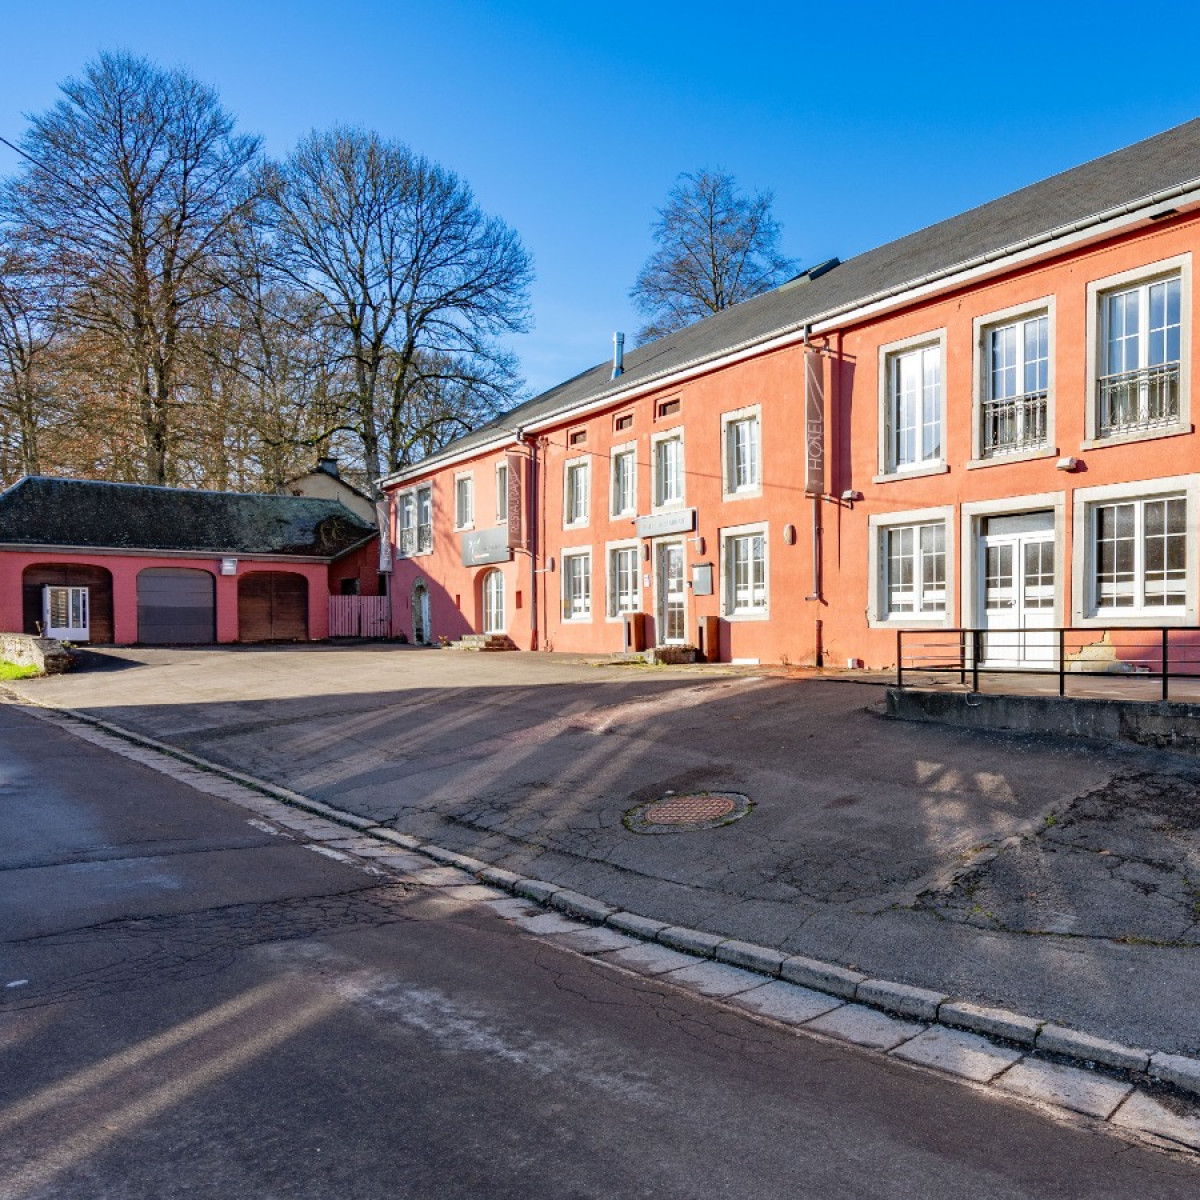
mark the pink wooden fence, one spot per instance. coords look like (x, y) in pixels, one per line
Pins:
(359, 616)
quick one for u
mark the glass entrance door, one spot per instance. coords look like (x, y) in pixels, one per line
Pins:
(672, 595)
(493, 602)
(1016, 557)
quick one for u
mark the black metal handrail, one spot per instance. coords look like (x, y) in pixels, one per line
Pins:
(961, 652)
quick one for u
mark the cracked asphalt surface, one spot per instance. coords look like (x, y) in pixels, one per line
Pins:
(297, 1025)
(280, 1023)
(1043, 875)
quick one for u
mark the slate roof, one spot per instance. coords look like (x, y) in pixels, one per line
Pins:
(1122, 180)
(38, 510)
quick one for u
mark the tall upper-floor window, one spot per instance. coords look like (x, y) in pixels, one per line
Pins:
(743, 446)
(424, 519)
(577, 482)
(668, 470)
(464, 502)
(624, 483)
(1015, 403)
(1141, 337)
(414, 521)
(501, 493)
(913, 415)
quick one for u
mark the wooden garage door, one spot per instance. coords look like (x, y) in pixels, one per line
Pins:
(176, 606)
(97, 580)
(272, 607)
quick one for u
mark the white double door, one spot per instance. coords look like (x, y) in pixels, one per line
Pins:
(1017, 578)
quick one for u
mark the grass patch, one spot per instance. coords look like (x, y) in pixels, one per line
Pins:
(13, 671)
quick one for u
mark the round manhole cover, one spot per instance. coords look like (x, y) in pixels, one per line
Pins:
(688, 812)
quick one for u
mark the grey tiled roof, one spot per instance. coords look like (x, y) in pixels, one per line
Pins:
(42, 511)
(1105, 185)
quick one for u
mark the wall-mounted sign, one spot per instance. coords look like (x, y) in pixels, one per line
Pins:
(229, 566)
(814, 424)
(516, 474)
(702, 579)
(482, 546)
(680, 520)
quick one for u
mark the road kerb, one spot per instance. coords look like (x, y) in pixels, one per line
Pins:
(1078, 1089)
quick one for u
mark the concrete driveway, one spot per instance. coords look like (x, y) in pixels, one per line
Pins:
(1048, 876)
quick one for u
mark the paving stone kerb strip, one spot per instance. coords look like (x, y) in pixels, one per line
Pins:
(887, 996)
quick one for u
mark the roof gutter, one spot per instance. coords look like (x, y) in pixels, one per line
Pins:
(1099, 224)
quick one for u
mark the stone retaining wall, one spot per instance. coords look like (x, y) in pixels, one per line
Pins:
(25, 650)
(1163, 724)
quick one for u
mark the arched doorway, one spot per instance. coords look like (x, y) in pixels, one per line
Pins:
(176, 606)
(71, 578)
(272, 607)
(420, 614)
(493, 602)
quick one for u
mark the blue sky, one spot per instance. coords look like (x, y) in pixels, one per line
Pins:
(571, 121)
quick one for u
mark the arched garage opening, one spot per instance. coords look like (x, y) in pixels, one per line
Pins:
(272, 607)
(98, 582)
(176, 606)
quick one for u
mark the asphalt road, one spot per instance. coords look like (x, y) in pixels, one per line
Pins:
(196, 1006)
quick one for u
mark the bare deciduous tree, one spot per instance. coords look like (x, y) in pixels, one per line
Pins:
(29, 323)
(408, 268)
(716, 246)
(132, 184)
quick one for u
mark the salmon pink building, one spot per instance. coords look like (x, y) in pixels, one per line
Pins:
(124, 563)
(983, 428)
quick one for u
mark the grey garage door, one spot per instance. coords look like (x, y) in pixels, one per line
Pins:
(176, 605)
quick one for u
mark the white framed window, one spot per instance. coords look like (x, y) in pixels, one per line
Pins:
(1138, 352)
(1015, 372)
(1140, 554)
(744, 571)
(501, 493)
(668, 469)
(623, 487)
(1135, 552)
(577, 585)
(912, 406)
(424, 520)
(414, 522)
(741, 439)
(624, 579)
(464, 501)
(406, 524)
(911, 568)
(577, 477)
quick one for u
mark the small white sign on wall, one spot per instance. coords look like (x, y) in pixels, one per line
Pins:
(229, 566)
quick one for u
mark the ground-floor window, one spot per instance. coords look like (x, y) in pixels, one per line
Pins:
(745, 572)
(624, 587)
(577, 586)
(914, 570)
(1140, 555)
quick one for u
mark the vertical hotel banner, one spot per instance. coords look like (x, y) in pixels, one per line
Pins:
(814, 424)
(383, 518)
(516, 476)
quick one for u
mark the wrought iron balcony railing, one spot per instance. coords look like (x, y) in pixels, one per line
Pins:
(1136, 400)
(1013, 424)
